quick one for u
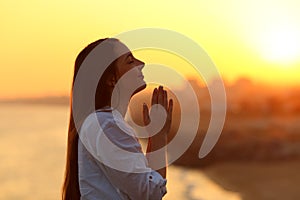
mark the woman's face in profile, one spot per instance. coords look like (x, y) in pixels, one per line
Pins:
(129, 71)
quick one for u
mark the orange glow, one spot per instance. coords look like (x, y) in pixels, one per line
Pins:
(40, 40)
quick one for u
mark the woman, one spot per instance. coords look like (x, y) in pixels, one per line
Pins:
(106, 161)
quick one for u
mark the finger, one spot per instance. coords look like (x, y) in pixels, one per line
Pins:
(154, 97)
(160, 95)
(170, 110)
(165, 100)
(146, 114)
(169, 117)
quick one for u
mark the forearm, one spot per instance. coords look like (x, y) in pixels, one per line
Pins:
(156, 143)
(158, 161)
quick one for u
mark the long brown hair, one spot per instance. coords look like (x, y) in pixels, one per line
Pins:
(70, 189)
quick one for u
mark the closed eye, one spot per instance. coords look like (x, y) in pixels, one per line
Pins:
(130, 59)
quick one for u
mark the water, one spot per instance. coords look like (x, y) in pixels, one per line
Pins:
(32, 158)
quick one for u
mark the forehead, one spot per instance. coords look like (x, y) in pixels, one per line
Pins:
(119, 48)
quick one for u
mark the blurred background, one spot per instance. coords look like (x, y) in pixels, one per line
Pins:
(254, 44)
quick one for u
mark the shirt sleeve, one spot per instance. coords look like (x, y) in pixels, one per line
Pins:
(120, 157)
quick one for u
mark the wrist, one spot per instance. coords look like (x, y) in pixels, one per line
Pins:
(158, 141)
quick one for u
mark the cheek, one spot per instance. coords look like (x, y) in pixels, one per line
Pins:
(122, 70)
(126, 69)
(131, 75)
(131, 79)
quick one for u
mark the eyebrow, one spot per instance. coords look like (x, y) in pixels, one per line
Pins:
(129, 54)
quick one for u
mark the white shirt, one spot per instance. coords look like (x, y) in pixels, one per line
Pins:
(111, 163)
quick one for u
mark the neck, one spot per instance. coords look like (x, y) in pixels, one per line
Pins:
(122, 109)
(120, 101)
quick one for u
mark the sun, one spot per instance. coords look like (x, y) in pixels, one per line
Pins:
(281, 45)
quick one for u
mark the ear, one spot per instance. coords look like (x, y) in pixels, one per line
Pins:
(111, 80)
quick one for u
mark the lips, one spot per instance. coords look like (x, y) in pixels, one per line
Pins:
(142, 76)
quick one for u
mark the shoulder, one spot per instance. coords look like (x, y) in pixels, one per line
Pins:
(96, 120)
(100, 126)
(110, 140)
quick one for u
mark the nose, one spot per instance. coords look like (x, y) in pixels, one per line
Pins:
(141, 64)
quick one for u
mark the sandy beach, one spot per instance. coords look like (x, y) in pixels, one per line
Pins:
(258, 180)
(32, 159)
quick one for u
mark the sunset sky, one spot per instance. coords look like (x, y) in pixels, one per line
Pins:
(40, 40)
